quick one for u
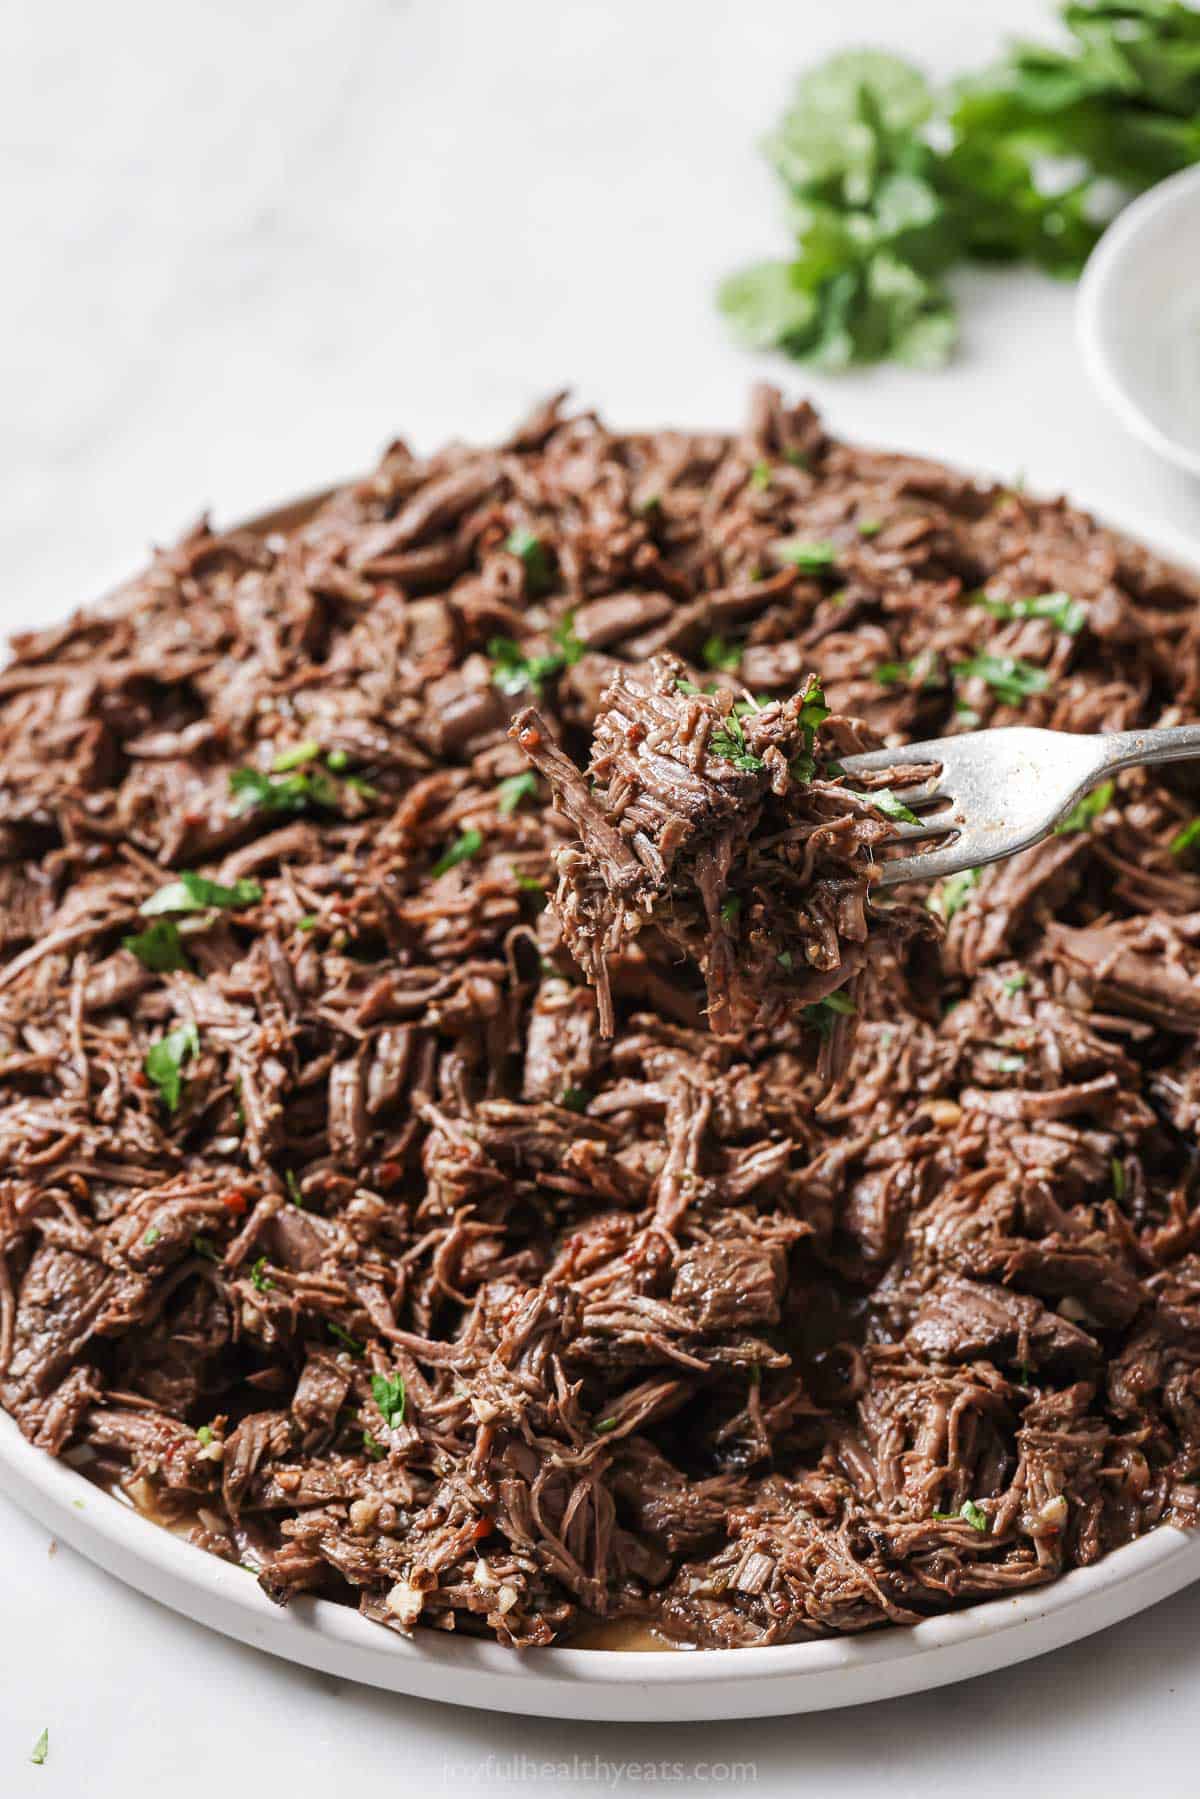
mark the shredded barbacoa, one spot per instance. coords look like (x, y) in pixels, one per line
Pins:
(724, 823)
(334, 1224)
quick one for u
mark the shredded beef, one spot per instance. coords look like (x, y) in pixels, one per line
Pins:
(723, 824)
(341, 1220)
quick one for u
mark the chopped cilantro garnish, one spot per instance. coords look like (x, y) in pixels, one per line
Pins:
(870, 527)
(1010, 1064)
(1015, 983)
(730, 908)
(532, 552)
(293, 1188)
(784, 959)
(1117, 1168)
(151, 1237)
(388, 1394)
(529, 884)
(309, 922)
(729, 743)
(466, 846)
(1186, 839)
(514, 672)
(1064, 612)
(810, 558)
(345, 1339)
(165, 1061)
(337, 760)
(605, 1424)
(195, 893)
(516, 788)
(820, 1016)
(953, 893)
(295, 757)
(204, 1246)
(574, 1099)
(1080, 817)
(928, 668)
(969, 1512)
(362, 788)
(760, 476)
(1010, 679)
(204, 1435)
(372, 1449)
(253, 791)
(718, 654)
(41, 1748)
(260, 1280)
(885, 801)
(159, 948)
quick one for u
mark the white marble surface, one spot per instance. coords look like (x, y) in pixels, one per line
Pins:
(244, 245)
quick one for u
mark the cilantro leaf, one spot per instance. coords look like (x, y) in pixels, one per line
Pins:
(1080, 817)
(730, 908)
(718, 654)
(1009, 678)
(194, 893)
(295, 756)
(41, 1748)
(514, 672)
(728, 742)
(1186, 839)
(953, 893)
(969, 1512)
(811, 558)
(516, 788)
(388, 1394)
(254, 791)
(538, 562)
(160, 948)
(820, 1015)
(462, 850)
(889, 188)
(885, 801)
(260, 1280)
(342, 1335)
(165, 1061)
(1067, 614)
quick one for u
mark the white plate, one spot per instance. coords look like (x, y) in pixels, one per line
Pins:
(1138, 315)
(599, 1684)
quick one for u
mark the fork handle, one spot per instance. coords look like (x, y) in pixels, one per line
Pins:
(1137, 749)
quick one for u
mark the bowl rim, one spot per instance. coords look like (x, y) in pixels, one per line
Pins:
(1118, 244)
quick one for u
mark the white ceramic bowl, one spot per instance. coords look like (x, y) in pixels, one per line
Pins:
(599, 1684)
(1138, 317)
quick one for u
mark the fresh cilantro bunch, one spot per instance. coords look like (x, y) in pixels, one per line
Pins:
(873, 232)
(889, 186)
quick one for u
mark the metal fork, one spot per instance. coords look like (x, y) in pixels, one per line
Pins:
(998, 792)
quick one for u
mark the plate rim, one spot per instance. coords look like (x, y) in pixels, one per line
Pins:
(611, 1684)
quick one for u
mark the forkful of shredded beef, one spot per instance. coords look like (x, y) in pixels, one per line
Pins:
(719, 822)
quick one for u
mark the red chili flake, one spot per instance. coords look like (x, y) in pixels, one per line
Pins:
(390, 1173)
(234, 1201)
(484, 1528)
(529, 738)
